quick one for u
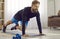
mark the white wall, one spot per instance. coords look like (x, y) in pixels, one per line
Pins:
(57, 6)
(12, 6)
(53, 7)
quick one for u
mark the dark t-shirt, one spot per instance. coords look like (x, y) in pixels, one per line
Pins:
(25, 15)
(26, 12)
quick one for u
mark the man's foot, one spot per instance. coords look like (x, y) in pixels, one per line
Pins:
(17, 27)
(25, 35)
(4, 29)
(13, 28)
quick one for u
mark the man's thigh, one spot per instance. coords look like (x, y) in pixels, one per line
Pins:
(26, 23)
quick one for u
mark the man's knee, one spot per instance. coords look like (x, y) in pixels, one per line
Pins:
(9, 22)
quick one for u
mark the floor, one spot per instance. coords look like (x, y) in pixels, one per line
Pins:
(50, 34)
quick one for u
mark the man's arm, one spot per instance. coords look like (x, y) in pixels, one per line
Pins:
(23, 21)
(23, 26)
(38, 22)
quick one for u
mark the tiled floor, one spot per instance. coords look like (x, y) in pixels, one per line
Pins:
(50, 34)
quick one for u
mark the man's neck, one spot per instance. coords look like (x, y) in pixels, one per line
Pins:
(33, 10)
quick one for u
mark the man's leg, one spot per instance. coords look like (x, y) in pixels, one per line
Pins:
(19, 26)
(5, 25)
(15, 27)
(13, 20)
(16, 22)
(26, 24)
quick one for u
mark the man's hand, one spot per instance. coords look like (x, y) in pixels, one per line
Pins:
(41, 34)
(25, 35)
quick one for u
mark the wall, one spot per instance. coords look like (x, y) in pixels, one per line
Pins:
(53, 7)
(57, 6)
(12, 6)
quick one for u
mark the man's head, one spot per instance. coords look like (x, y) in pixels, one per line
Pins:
(35, 5)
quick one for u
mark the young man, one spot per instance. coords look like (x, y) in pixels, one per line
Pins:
(24, 16)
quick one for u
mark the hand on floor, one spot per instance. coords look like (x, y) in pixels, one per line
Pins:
(41, 34)
(25, 35)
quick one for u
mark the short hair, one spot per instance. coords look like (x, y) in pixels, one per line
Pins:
(35, 2)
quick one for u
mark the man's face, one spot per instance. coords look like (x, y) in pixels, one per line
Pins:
(35, 7)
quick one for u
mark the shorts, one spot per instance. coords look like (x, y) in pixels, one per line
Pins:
(16, 21)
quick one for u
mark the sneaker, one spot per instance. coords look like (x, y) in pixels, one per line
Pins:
(4, 29)
(13, 28)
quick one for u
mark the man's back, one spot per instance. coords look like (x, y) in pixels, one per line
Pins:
(25, 12)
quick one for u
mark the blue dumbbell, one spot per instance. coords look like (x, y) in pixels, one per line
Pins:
(18, 36)
(15, 37)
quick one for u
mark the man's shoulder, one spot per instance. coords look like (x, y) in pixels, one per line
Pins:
(27, 7)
